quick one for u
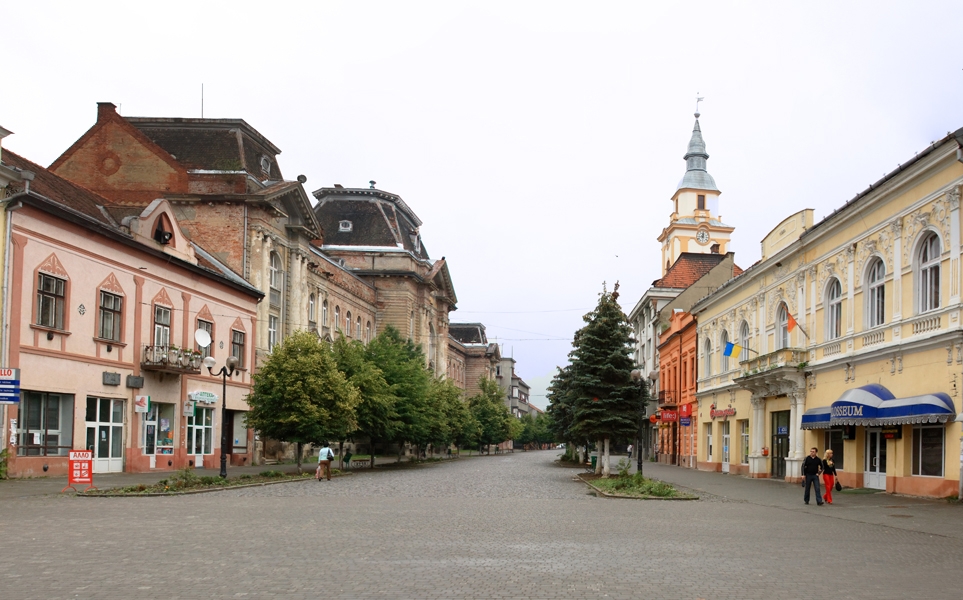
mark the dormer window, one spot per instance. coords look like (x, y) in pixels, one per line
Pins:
(163, 232)
(265, 164)
(344, 226)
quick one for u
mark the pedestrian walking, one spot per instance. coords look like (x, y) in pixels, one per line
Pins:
(630, 450)
(829, 475)
(324, 462)
(811, 468)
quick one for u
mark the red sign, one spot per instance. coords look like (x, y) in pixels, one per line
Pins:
(670, 415)
(80, 470)
(653, 418)
(685, 410)
(725, 412)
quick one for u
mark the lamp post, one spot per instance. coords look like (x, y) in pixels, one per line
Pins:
(226, 371)
(637, 379)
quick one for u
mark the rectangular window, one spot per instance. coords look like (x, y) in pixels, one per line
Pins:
(744, 441)
(237, 347)
(928, 451)
(162, 326)
(272, 331)
(50, 301)
(209, 328)
(834, 441)
(46, 424)
(159, 429)
(701, 199)
(110, 313)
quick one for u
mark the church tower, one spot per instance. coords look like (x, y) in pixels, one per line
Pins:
(695, 224)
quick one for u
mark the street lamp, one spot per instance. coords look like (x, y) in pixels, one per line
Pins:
(226, 371)
(637, 380)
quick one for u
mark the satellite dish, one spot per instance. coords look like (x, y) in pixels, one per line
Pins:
(202, 338)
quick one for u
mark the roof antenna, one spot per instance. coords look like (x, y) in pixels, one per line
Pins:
(698, 100)
(202, 101)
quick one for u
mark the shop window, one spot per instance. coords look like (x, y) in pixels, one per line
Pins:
(237, 347)
(209, 328)
(834, 310)
(46, 424)
(110, 316)
(200, 431)
(928, 451)
(159, 429)
(876, 294)
(782, 327)
(50, 301)
(162, 326)
(273, 322)
(834, 441)
(744, 441)
(928, 276)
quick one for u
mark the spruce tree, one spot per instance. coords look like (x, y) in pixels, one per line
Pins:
(604, 397)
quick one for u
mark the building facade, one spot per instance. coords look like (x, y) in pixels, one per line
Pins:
(852, 337)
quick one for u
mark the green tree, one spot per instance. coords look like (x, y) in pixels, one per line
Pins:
(605, 399)
(403, 366)
(376, 415)
(488, 408)
(560, 413)
(528, 434)
(300, 396)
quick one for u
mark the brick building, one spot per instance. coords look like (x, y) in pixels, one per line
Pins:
(471, 357)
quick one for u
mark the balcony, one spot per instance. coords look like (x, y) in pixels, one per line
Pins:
(666, 398)
(171, 359)
(777, 373)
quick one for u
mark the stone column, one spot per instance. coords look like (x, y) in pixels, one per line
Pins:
(850, 291)
(953, 199)
(812, 305)
(797, 439)
(263, 307)
(897, 229)
(757, 430)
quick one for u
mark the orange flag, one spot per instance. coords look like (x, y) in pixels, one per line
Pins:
(792, 321)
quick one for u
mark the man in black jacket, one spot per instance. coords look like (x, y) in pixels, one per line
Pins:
(811, 468)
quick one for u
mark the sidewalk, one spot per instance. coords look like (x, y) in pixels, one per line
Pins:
(934, 516)
(41, 486)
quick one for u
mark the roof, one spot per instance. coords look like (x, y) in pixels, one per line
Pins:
(689, 268)
(468, 333)
(692, 221)
(371, 218)
(56, 188)
(696, 176)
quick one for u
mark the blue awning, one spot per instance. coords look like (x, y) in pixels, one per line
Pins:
(873, 405)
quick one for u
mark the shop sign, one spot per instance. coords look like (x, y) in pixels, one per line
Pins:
(670, 415)
(141, 404)
(79, 470)
(9, 386)
(721, 413)
(894, 432)
(188, 409)
(205, 397)
(782, 430)
(685, 410)
(111, 378)
(653, 418)
(685, 421)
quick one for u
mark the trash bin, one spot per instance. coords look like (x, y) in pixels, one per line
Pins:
(594, 460)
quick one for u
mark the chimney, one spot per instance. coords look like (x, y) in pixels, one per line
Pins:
(105, 109)
(714, 248)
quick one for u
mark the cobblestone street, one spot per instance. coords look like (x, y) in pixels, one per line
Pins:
(511, 526)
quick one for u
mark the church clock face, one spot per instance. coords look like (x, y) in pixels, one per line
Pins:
(702, 237)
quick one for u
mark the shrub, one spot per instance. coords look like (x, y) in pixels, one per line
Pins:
(269, 474)
(245, 476)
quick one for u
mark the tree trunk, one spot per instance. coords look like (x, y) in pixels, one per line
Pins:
(371, 465)
(341, 455)
(606, 471)
(598, 457)
(299, 457)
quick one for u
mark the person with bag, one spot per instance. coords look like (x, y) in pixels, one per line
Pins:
(325, 456)
(829, 476)
(811, 468)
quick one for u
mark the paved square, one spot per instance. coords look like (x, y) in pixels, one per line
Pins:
(513, 526)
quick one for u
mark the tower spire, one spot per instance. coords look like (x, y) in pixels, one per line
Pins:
(696, 176)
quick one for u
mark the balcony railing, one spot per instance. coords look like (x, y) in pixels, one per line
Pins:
(787, 357)
(170, 359)
(666, 397)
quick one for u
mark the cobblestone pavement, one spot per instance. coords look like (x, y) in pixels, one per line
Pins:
(513, 526)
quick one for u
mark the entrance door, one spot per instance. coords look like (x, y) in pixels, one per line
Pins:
(780, 443)
(105, 434)
(200, 434)
(724, 427)
(874, 475)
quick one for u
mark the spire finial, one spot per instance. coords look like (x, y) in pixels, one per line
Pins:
(698, 100)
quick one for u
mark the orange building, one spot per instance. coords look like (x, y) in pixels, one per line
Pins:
(677, 354)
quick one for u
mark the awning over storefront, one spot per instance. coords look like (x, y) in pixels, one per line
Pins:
(874, 405)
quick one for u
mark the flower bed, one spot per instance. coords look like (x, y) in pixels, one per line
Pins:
(186, 481)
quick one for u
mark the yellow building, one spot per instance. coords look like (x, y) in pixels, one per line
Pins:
(874, 366)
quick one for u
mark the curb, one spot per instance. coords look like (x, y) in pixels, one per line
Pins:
(203, 491)
(619, 496)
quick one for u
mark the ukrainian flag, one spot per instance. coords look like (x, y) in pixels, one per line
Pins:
(732, 350)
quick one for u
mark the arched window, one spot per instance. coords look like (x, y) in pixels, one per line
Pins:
(275, 277)
(411, 326)
(367, 332)
(347, 323)
(311, 308)
(707, 363)
(324, 313)
(834, 310)
(744, 336)
(782, 327)
(431, 344)
(928, 280)
(357, 330)
(875, 294)
(337, 318)
(722, 344)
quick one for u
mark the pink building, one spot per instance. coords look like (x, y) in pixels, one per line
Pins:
(103, 308)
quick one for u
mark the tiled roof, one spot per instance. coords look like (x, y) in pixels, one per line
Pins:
(60, 190)
(373, 223)
(688, 268)
(468, 333)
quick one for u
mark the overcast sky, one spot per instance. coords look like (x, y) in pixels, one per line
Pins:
(539, 142)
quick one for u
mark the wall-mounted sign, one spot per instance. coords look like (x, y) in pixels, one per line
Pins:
(9, 386)
(685, 410)
(782, 430)
(111, 378)
(894, 432)
(189, 409)
(670, 415)
(135, 382)
(205, 397)
(653, 418)
(722, 412)
(141, 404)
(685, 421)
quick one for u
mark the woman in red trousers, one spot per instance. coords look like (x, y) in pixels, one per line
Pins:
(829, 476)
